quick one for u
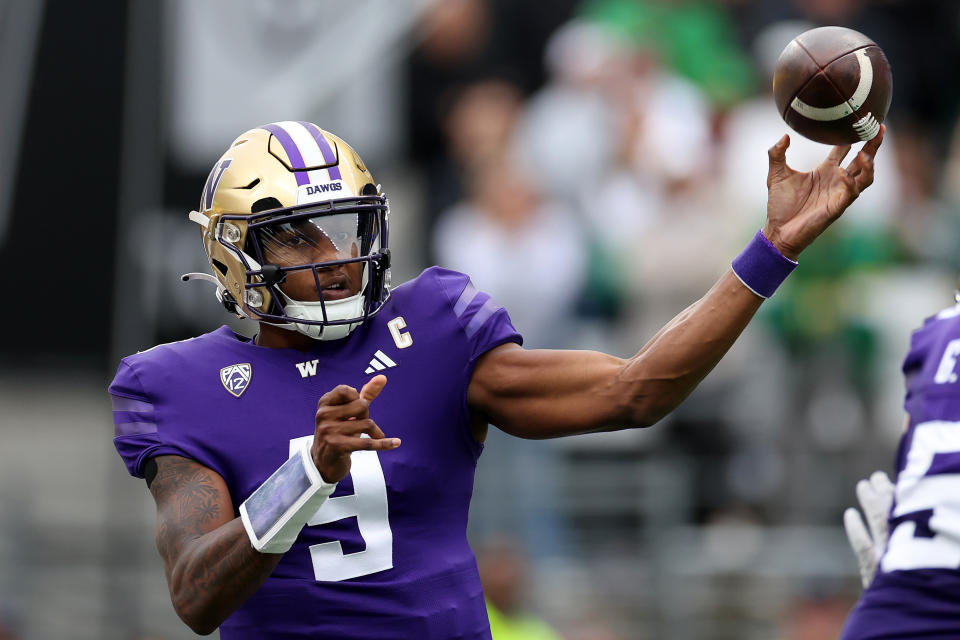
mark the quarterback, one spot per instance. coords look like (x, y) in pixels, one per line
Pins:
(910, 557)
(299, 495)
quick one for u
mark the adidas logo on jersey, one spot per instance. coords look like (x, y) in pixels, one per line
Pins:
(379, 362)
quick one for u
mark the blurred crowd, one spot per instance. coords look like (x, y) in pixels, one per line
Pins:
(597, 184)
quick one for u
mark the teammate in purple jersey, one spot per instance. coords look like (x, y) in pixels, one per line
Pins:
(286, 505)
(910, 557)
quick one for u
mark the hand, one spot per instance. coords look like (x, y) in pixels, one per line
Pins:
(343, 417)
(876, 497)
(801, 205)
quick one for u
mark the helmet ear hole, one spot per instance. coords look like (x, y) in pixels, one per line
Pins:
(265, 204)
(222, 268)
(369, 190)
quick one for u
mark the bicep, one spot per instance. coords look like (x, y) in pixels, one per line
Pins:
(545, 393)
(191, 501)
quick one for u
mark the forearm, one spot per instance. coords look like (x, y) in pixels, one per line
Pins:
(664, 372)
(543, 394)
(210, 564)
(216, 573)
(546, 393)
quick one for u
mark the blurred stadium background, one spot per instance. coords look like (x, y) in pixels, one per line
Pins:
(594, 165)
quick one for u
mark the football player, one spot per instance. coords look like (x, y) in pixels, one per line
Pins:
(300, 495)
(909, 551)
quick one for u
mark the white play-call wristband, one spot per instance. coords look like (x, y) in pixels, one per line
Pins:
(278, 509)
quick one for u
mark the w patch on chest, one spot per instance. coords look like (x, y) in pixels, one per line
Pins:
(236, 378)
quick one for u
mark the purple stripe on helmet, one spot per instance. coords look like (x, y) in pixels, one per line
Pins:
(204, 200)
(328, 155)
(213, 181)
(293, 153)
(121, 403)
(469, 293)
(488, 309)
(134, 428)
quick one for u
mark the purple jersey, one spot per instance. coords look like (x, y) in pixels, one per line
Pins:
(916, 592)
(386, 556)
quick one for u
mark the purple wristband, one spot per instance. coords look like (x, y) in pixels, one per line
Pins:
(761, 267)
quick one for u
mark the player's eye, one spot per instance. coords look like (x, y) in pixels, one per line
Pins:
(293, 239)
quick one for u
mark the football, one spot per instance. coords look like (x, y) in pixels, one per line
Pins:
(833, 85)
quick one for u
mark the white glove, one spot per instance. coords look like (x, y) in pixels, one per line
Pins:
(876, 497)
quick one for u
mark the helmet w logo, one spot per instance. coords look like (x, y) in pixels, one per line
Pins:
(213, 181)
(236, 378)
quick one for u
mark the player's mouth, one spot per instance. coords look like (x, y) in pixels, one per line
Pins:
(336, 287)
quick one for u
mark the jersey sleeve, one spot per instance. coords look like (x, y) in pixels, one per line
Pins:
(913, 365)
(137, 435)
(485, 323)
(930, 369)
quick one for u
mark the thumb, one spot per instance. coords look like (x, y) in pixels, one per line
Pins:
(777, 155)
(861, 544)
(373, 387)
(876, 498)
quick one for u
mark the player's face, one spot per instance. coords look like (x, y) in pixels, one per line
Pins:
(312, 240)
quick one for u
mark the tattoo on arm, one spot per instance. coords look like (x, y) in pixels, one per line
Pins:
(210, 565)
(189, 500)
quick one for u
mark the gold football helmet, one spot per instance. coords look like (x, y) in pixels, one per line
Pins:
(296, 229)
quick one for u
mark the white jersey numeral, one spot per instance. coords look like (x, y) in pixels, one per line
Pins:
(369, 504)
(925, 523)
(945, 371)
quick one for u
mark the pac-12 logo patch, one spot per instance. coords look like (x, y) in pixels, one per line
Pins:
(236, 378)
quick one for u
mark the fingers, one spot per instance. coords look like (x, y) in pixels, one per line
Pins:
(868, 152)
(868, 502)
(861, 544)
(875, 494)
(343, 423)
(881, 485)
(851, 190)
(352, 428)
(345, 402)
(861, 168)
(335, 441)
(777, 155)
(347, 436)
(342, 443)
(856, 530)
(373, 387)
(877, 507)
(375, 431)
(359, 409)
(876, 497)
(837, 154)
(341, 394)
(874, 143)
